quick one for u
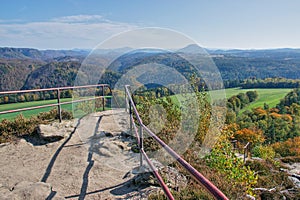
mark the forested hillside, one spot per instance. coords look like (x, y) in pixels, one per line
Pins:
(14, 72)
(54, 74)
(233, 67)
(22, 68)
(34, 54)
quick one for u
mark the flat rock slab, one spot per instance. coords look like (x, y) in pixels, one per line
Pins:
(29, 190)
(55, 129)
(86, 164)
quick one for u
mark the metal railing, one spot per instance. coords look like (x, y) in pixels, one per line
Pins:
(58, 98)
(131, 107)
(247, 150)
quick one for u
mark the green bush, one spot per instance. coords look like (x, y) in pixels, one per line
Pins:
(53, 114)
(264, 152)
(10, 130)
(224, 160)
(21, 126)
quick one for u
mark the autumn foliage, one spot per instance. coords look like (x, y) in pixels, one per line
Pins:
(291, 147)
(254, 136)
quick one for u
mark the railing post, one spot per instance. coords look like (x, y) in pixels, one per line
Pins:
(130, 119)
(103, 107)
(59, 106)
(141, 145)
(245, 155)
(126, 101)
(246, 151)
(128, 108)
(249, 150)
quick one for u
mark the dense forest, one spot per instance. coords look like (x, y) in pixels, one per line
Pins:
(31, 68)
(263, 83)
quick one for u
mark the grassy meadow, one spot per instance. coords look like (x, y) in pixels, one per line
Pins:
(269, 96)
(29, 113)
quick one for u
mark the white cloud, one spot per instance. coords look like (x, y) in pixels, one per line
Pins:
(81, 19)
(79, 31)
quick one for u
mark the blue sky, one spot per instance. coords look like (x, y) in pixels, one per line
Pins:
(68, 24)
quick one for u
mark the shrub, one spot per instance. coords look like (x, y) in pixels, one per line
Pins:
(264, 152)
(291, 147)
(224, 160)
(269, 175)
(195, 190)
(53, 114)
(10, 130)
(255, 136)
(165, 125)
(21, 126)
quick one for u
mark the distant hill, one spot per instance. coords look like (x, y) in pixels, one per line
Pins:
(26, 68)
(14, 72)
(20, 53)
(54, 74)
(284, 53)
(192, 48)
(28, 53)
(238, 67)
(232, 64)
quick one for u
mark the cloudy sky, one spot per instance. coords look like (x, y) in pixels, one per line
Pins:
(68, 24)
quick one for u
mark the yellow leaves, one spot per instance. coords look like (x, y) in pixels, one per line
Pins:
(229, 130)
(249, 135)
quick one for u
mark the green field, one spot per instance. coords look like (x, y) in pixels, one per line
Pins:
(270, 96)
(29, 113)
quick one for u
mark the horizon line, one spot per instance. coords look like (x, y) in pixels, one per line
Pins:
(206, 48)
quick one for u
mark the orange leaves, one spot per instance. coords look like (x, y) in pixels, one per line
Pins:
(287, 117)
(260, 112)
(275, 115)
(273, 112)
(291, 147)
(249, 135)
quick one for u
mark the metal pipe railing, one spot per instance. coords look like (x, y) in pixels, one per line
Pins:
(197, 175)
(57, 88)
(158, 177)
(246, 151)
(59, 103)
(153, 168)
(139, 137)
(210, 187)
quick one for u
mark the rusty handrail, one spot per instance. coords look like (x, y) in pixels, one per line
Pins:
(153, 168)
(139, 137)
(59, 103)
(210, 187)
(246, 151)
(52, 89)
